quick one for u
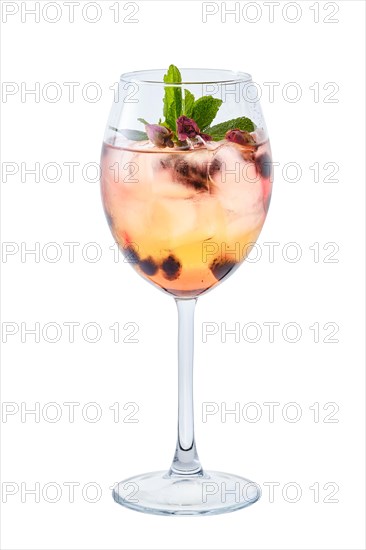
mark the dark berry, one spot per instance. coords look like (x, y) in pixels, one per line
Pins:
(220, 268)
(214, 167)
(104, 150)
(191, 174)
(171, 267)
(264, 165)
(187, 172)
(109, 219)
(131, 255)
(148, 266)
(182, 168)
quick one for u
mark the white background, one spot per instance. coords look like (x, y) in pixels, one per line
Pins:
(310, 130)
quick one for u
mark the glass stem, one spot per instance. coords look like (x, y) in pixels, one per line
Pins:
(186, 459)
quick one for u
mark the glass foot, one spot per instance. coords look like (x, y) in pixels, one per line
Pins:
(186, 495)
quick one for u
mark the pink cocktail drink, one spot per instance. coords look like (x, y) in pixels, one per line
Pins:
(185, 219)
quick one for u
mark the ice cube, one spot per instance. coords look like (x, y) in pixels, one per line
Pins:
(237, 186)
(189, 170)
(172, 220)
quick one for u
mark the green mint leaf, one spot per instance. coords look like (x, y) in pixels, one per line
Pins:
(173, 97)
(188, 103)
(173, 75)
(142, 120)
(134, 135)
(218, 131)
(205, 110)
(170, 118)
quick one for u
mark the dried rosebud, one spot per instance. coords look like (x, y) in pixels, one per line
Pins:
(159, 135)
(186, 128)
(206, 137)
(240, 137)
(248, 154)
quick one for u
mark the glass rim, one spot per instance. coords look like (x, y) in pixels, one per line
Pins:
(138, 77)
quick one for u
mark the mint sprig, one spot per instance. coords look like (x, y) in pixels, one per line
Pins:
(202, 110)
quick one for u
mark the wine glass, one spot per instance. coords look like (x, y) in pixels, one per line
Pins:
(186, 184)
